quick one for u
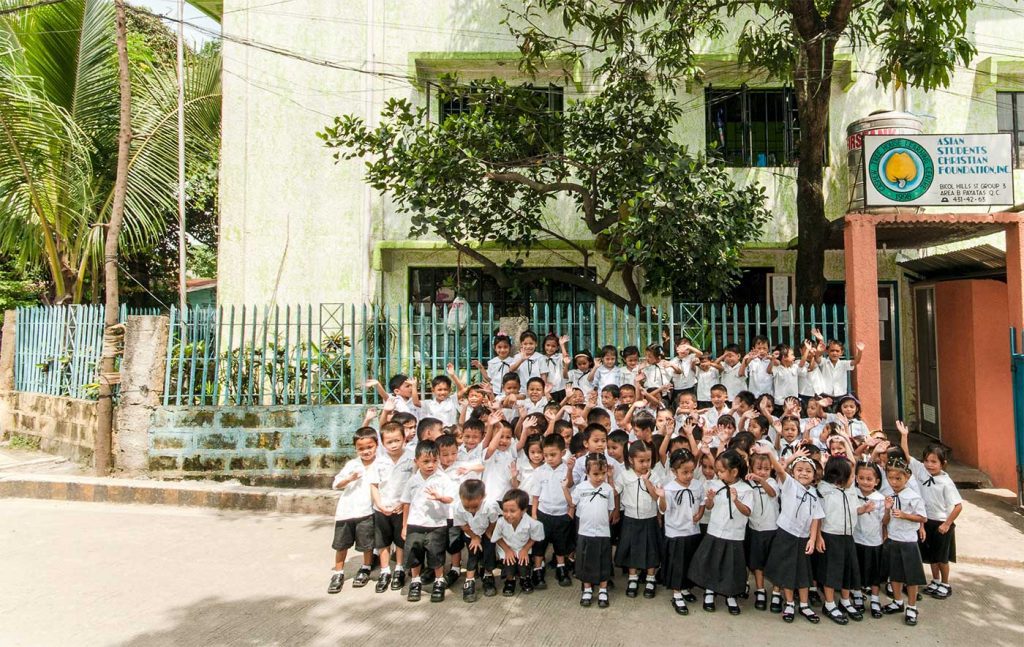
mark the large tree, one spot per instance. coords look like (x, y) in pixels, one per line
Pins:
(910, 43)
(59, 105)
(505, 170)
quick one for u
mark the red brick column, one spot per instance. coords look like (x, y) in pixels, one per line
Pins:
(1015, 276)
(862, 309)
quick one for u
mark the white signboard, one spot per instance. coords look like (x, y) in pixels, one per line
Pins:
(938, 170)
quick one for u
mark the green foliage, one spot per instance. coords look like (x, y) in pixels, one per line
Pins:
(21, 441)
(18, 288)
(494, 174)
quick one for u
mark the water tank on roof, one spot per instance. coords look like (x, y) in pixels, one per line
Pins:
(882, 122)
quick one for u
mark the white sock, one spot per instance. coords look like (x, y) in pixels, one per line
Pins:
(731, 601)
(416, 580)
(339, 570)
(846, 602)
(830, 605)
(874, 598)
(399, 569)
(634, 578)
(470, 579)
(678, 595)
(386, 570)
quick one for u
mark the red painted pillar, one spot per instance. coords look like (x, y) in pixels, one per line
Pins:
(862, 310)
(1015, 275)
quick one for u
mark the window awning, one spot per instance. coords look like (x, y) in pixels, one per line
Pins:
(920, 230)
(973, 262)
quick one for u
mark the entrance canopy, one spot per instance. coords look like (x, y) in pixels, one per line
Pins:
(918, 230)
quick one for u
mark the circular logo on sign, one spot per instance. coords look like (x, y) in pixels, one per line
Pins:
(901, 170)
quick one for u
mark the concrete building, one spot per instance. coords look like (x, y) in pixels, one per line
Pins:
(296, 227)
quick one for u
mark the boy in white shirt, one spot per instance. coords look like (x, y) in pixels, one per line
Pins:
(445, 405)
(425, 504)
(755, 368)
(552, 510)
(387, 477)
(835, 372)
(514, 534)
(476, 518)
(353, 518)
(403, 395)
(730, 367)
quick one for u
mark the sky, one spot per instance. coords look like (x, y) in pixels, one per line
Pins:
(193, 36)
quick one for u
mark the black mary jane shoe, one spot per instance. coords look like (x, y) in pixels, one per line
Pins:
(910, 617)
(836, 615)
(876, 610)
(809, 614)
(893, 608)
(679, 606)
(587, 598)
(789, 614)
(709, 603)
(852, 612)
(650, 589)
(632, 587)
(760, 600)
(689, 597)
(733, 606)
(602, 600)
(776, 605)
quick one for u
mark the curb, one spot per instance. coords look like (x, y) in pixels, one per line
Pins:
(205, 495)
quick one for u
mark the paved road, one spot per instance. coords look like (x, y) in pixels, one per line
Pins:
(80, 574)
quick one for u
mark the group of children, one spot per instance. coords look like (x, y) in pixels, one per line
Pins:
(766, 472)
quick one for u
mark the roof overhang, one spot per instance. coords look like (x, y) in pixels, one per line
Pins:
(919, 230)
(982, 261)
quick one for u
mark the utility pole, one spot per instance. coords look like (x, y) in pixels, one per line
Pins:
(112, 297)
(182, 290)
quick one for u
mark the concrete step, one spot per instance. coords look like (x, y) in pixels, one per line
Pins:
(221, 495)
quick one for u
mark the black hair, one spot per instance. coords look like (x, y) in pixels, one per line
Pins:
(743, 441)
(758, 339)
(397, 381)
(638, 447)
(619, 437)
(473, 423)
(622, 408)
(446, 440)
(426, 424)
(594, 458)
(403, 417)
(538, 380)
(509, 377)
(527, 334)
(426, 448)
(554, 407)
(550, 337)
(763, 423)
(560, 426)
(608, 349)
(746, 397)
(597, 414)
(732, 348)
(937, 450)
(681, 457)
(585, 353)
(441, 379)
(576, 444)
(656, 350)
(521, 498)
(542, 422)
(782, 350)
(644, 421)
(753, 459)
(391, 427)
(719, 387)
(592, 429)
(733, 460)
(874, 468)
(629, 351)
(501, 338)
(611, 388)
(472, 489)
(625, 387)
(478, 413)
(725, 420)
(533, 439)
(364, 432)
(553, 440)
(837, 471)
(678, 440)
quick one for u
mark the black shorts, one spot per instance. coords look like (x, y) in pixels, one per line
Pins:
(481, 560)
(387, 530)
(514, 569)
(425, 546)
(455, 541)
(558, 533)
(358, 532)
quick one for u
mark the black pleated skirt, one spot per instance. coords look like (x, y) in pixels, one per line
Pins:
(789, 567)
(593, 559)
(903, 562)
(679, 554)
(720, 566)
(872, 565)
(938, 548)
(639, 544)
(758, 546)
(837, 567)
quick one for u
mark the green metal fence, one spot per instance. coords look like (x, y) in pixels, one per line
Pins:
(324, 354)
(57, 348)
(1017, 373)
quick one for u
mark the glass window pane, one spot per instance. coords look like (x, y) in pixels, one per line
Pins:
(1004, 111)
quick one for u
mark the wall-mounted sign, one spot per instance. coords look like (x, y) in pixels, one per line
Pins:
(938, 170)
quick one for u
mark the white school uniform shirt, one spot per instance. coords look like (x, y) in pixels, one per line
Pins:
(727, 522)
(786, 448)
(517, 537)
(764, 511)
(452, 472)
(656, 377)
(868, 531)
(799, 507)
(478, 521)
(547, 487)
(605, 376)
(706, 380)
(447, 410)
(390, 477)
(593, 505)
(886, 489)
(759, 380)
(354, 500)
(809, 381)
(497, 368)
(628, 375)
(532, 366)
(939, 492)
(688, 377)
(475, 455)
(553, 368)
(579, 470)
(903, 529)
(732, 381)
(785, 382)
(425, 512)
(405, 405)
(634, 496)
(681, 502)
(578, 380)
(835, 377)
(712, 415)
(840, 506)
(526, 471)
(497, 478)
(534, 407)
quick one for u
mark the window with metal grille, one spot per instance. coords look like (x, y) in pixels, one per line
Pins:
(752, 127)
(1010, 119)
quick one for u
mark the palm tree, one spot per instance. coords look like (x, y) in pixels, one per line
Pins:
(58, 141)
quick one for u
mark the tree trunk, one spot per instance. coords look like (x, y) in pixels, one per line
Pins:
(105, 406)
(813, 78)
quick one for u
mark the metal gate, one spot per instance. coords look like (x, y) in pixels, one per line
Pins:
(1017, 370)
